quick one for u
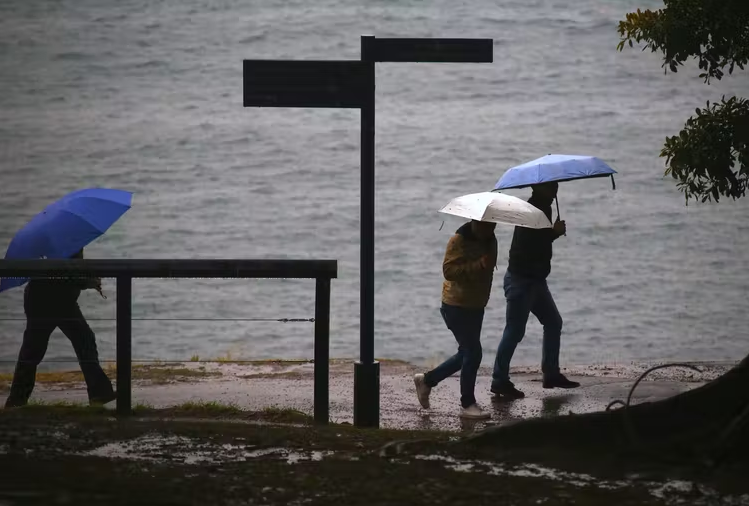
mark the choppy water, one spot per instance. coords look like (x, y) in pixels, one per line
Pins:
(147, 96)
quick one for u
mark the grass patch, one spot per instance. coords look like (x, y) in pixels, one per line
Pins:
(207, 410)
(49, 377)
(221, 411)
(392, 361)
(285, 415)
(59, 408)
(204, 410)
(157, 373)
(36, 403)
(276, 375)
(225, 359)
(210, 408)
(169, 374)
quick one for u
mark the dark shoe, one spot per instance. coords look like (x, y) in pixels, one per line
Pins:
(508, 390)
(12, 403)
(559, 381)
(102, 399)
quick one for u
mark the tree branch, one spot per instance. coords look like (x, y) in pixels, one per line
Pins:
(710, 156)
(716, 32)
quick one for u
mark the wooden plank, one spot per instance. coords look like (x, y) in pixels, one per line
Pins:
(170, 268)
(124, 346)
(434, 50)
(300, 83)
(322, 351)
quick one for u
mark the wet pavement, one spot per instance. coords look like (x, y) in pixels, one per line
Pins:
(258, 386)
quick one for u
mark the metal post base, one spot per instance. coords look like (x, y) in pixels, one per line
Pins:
(367, 394)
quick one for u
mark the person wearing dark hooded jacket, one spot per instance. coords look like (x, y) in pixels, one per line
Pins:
(527, 292)
(468, 269)
(51, 304)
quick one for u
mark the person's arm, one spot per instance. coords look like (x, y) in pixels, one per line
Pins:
(85, 283)
(456, 267)
(91, 284)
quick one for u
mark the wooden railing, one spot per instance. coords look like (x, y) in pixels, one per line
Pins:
(125, 270)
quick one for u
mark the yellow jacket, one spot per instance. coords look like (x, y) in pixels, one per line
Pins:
(467, 284)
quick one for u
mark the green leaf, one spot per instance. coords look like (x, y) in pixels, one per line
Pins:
(709, 157)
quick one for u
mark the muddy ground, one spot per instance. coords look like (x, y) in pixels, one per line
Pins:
(240, 434)
(63, 455)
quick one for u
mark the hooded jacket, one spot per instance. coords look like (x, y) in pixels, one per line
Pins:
(467, 284)
(531, 250)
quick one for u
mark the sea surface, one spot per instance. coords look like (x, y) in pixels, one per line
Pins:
(147, 96)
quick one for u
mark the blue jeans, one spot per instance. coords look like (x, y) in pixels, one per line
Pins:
(525, 296)
(465, 324)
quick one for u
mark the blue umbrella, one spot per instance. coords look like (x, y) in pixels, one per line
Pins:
(554, 168)
(66, 226)
(551, 168)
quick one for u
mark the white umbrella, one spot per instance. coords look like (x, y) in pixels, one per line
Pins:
(497, 208)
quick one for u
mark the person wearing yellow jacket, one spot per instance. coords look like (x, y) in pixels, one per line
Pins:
(468, 268)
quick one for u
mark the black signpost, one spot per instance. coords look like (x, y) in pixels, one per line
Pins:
(351, 84)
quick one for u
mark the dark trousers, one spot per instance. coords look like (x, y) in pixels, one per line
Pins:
(526, 296)
(42, 318)
(465, 324)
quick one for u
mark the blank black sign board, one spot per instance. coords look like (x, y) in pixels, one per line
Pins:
(433, 50)
(300, 83)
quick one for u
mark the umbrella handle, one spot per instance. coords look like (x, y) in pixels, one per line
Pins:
(556, 199)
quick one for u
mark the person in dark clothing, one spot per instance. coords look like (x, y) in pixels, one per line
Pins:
(527, 292)
(468, 268)
(49, 304)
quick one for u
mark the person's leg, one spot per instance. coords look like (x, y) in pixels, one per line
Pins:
(34, 346)
(545, 309)
(451, 316)
(469, 340)
(519, 295)
(425, 382)
(74, 326)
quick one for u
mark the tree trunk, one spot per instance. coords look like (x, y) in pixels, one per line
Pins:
(700, 416)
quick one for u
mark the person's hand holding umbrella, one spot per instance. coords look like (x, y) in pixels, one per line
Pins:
(560, 227)
(97, 287)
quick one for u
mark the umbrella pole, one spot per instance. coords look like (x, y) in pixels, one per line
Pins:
(556, 199)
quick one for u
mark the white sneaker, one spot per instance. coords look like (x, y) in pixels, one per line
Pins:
(422, 390)
(474, 412)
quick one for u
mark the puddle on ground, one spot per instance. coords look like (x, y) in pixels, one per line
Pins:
(183, 450)
(675, 492)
